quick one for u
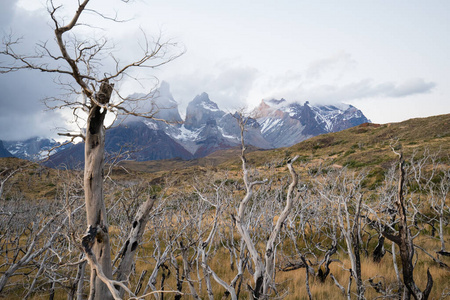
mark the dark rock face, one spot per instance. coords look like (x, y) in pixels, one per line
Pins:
(308, 119)
(71, 158)
(134, 141)
(252, 135)
(210, 139)
(200, 110)
(4, 152)
(143, 143)
(277, 127)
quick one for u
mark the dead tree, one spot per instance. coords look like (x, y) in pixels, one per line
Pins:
(404, 241)
(32, 240)
(438, 193)
(311, 231)
(263, 269)
(343, 190)
(6, 175)
(79, 61)
(129, 250)
(270, 245)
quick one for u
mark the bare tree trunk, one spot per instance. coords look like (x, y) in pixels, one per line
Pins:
(133, 241)
(93, 188)
(258, 275)
(81, 272)
(307, 278)
(139, 284)
(405, 244)
(394, 262)
(159, 263)
(441, 231)
(187, 272)
(379, 251)
(356, 246)
(352, 240)
(41, 269)
(178, 275)
(270, 245)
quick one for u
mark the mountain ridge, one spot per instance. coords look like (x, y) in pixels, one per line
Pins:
(206, 128)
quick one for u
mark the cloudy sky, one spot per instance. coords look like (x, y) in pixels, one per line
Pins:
(391, 59)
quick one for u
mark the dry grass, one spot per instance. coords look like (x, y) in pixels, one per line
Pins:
(365, 146)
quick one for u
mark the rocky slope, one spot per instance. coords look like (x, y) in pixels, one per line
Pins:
(4, 152)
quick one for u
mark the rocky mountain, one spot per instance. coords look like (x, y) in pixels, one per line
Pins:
(34, 149)
(200, 110)
(285, 124)
(206, 128)
(135, 140)
(4, 152)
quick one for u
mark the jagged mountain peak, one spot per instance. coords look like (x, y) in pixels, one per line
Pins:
(203, 101)
(161, 104)
(34, 148)
(165, 105)
(201, 98)
(200, 110)
(164, 88)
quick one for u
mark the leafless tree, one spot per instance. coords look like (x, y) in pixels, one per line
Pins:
(404, 240)
(313, 231)
(263, 275)
(6, 175)
(36, 238)
(342, 189)
(80, 60)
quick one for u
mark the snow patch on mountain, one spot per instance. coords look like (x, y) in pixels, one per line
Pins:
(151, 124)
(228, 136)
(268, 124)
(34, 149)
(209, 106)
(184, 134)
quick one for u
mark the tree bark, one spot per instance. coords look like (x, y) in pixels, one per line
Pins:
(270, 245)
(134, 238)
(93, 188)
(405, 244)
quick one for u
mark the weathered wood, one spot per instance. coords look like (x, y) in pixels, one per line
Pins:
(134, 239)
(94, 152)
(379, 250)
(405, 243)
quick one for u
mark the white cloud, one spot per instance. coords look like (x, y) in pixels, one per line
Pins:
(227, 83)
(337, 64)
(411, 87)
(325, 93)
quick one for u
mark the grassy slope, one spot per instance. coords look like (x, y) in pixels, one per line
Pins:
(32, 181)
(366, 145)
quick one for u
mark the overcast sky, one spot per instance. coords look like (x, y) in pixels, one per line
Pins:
(391, 59)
